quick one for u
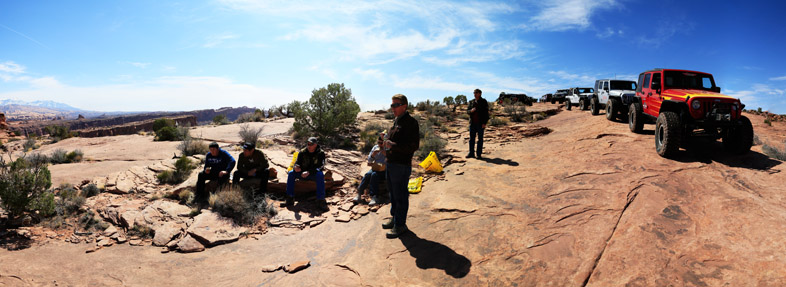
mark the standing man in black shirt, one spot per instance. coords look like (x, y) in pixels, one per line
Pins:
(478, 110)
(401, 142)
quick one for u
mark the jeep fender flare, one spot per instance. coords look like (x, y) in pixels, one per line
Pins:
(680, 108)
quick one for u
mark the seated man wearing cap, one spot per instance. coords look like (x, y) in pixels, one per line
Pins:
(252, 163)
(308, 166)
(218, 164)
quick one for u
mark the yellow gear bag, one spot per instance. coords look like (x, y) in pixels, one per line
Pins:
(431, 163)
(415, 185)
(292, 164)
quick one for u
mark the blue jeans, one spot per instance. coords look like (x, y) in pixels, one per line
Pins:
(371, 180)
(398, 179)
(319, 177)
(475, 129)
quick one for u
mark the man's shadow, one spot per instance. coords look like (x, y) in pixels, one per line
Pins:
(429, 254)
(499, 161)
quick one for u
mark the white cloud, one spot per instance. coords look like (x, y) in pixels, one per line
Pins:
(760, 95)
(606, 33)
(567, 15)
(585, 79)
(666, 29)
(436, 83)
(140, 65)
(11, 67)
(216, 40)
(482, 52)
(370, 73)
(782, 78)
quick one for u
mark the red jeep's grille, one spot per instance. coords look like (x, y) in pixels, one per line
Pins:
(717, 111)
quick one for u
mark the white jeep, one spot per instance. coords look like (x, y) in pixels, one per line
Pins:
(578, 97)
(614, 96)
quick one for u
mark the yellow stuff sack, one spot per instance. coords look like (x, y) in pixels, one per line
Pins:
(431, 163)
(415, 185)
(292, 164)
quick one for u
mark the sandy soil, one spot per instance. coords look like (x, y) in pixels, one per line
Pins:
(588, 204)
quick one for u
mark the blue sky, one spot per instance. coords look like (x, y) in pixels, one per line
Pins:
(166, 55)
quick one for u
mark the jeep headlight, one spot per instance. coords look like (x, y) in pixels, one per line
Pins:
(696, 104)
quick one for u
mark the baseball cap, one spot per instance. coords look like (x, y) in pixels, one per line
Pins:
(312, 140)
(249, 146)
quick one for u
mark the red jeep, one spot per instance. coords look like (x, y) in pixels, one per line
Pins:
(685, 104)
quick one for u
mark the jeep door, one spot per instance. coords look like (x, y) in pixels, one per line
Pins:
(649, 87)
(603, 92)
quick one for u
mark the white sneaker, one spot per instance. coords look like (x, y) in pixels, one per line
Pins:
(356, 199)
(374, 200)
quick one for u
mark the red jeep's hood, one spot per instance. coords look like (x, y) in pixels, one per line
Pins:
(684, 93)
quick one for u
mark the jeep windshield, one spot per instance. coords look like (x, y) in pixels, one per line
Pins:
(623, 85)
(688, 80)
(585, 90)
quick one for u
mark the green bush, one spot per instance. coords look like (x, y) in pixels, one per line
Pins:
(767, 121)
(497, 121)
(220, 120)
(23, 187)
(90, 190)
(328, 114)
(91, 223)
(58, 133)
(166, 177)
(36, 159)
(183, 168)
(68, 201)
(429, 141)
(144, 232)
(29, 144)
(191, 146)
(516, 111)
(74, 156)
(161, 123)
(167, 134)
(461, 100)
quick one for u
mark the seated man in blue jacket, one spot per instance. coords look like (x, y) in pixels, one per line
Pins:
(308, 166)
(218, 165)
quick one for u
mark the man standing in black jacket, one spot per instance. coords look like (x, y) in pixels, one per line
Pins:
(402, 141)
(478, 110)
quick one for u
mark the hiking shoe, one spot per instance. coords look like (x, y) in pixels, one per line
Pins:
(471, 155)
(322, 205)
(357, 199)
(388, 224)
(396, 231)
(374, 200)
(289, 202)
(479, 156)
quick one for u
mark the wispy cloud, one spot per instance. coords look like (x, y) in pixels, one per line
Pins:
(666, 29)
(567, 15)
(137, 64)
(759, 95)
(11, 67)
(586, 79)
(215, 40)
(782, 78)
(13, 72)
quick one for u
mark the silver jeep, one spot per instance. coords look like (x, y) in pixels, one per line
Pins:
(614, 96)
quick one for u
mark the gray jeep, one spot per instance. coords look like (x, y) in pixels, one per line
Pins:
(579, 97)
(613, 95)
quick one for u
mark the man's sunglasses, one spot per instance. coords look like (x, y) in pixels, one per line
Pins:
(395, 105)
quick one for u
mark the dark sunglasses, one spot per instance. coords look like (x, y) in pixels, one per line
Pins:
(310, 143)
(396, 105)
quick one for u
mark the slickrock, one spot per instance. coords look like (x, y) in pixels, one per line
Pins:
(214, 229)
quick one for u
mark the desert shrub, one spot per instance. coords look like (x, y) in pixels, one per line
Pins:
(29, 144)
(250, 134)
(74, 156)
(759, 110)
(68, 200)
(185, 196)
(463, 116)
(23, 187)
(426, 106)
(183, 168)
(58, 156)
(756, 140)
(220, 120)
(328, 114)
(773, 152)
(58, 133)
(449, 101)
(44, 204)
(767, 121)
(389, 115)
(17, 133)
(243, 210)
(90, 222)
(516, 111)
(191, 146)
(369, 135)
(167, 134)
(161, 123)
(36, 159)
(256, 116)
(144, 232)
(90, 190)
(497, 121)
(429, 143)
(166, 177)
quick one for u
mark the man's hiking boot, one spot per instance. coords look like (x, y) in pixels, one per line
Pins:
(396, 231)
(388, 224)
(471, 155)
(479, 156)
(374, 200)
(357, 198)
(288, 202)
(322, 205)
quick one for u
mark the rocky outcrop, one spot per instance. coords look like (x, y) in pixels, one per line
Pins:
(134, 127)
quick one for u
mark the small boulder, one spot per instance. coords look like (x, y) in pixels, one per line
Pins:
(271, 268)
(297, 266)
(189, 244)
(165, 232)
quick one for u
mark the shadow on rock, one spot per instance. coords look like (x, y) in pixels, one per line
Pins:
(499, 161)
(429, 254)
(12, 241)
(709, 151)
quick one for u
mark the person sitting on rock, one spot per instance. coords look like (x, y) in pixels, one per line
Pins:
(376, 160)
(218, 164)
(308, 166)
(252, 163)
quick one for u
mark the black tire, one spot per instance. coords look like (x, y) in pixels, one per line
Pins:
(612, 108)
(567, 105)
(739, 139)
(594, 106)
(635, 118)
(668, 134)
(553, 101)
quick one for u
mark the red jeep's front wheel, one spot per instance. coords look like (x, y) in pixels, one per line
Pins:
(667, 134)
(739, 138)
